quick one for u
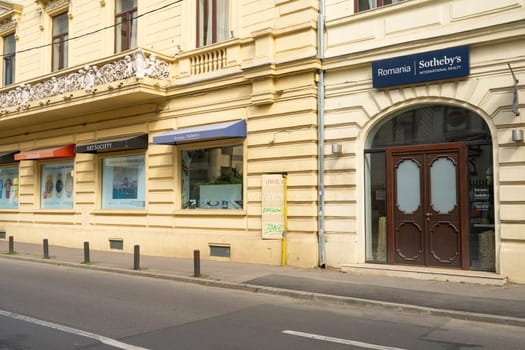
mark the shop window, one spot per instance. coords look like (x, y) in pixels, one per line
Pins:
(9, 187)
(123, 182)
(221, 251)
(60, 41)
(212, 178)
(9, 59)
(212, 21)
(363, 5)
(125, 25)
(56, 181)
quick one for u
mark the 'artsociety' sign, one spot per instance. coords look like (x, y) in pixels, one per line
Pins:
(434, 65)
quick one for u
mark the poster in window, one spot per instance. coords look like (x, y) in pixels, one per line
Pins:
(123, 183)
(273, 206)
(9, 187)
(54, 194)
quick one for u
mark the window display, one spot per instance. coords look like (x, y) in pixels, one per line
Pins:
(212, 178)
(9, 187)
(123, 182)
(56, 182)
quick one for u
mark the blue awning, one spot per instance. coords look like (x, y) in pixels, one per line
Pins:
(203, 132)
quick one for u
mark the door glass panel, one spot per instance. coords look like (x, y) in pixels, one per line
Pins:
(408, 188)
(443, 185)
(481, 209)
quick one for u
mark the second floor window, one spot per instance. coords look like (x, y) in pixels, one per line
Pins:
(60, 41)
(212, 21)
(363, 5)
(125, 25)
(9, 59)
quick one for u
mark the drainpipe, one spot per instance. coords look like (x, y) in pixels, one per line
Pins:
(320, 133)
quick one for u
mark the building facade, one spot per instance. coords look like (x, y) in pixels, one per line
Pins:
(301, 132)
(422, 109)
(129, 122)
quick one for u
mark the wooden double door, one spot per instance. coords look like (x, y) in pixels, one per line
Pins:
(427, 205)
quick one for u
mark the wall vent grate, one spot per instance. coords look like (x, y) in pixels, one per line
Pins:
(222, 251)
(116, 244)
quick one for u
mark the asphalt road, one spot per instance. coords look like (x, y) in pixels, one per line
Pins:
(51, 307)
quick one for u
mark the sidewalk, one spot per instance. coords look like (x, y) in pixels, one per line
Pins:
(504, 305)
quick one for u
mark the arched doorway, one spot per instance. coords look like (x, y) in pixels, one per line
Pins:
(429, 190)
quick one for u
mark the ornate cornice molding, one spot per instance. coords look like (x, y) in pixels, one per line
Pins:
(54, 7)
(9, 18)
(136, 66)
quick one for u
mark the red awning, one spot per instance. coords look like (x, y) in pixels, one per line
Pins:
(53, 152)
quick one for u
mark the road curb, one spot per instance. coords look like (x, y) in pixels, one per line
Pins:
(296, 294)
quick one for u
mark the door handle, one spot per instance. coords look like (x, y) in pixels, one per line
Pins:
(428, 215)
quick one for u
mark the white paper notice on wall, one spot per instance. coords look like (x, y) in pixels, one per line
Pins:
(273, 206)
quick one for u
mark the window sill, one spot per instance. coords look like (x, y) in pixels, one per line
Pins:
(210, 212)
(381, 10)
(129, 212)
(54, 211)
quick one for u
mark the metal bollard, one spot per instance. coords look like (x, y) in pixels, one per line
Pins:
(86, 253)
(136, 258)
(46, 249)
(11, 245)
(196, 263)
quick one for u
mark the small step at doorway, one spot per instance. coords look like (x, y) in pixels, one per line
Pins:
(425, 273)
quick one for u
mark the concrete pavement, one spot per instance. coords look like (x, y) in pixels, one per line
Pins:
(497, 304)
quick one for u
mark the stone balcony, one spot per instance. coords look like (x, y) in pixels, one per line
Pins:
(135, 77)
(123, 80)
(208, 62)
(139, 77)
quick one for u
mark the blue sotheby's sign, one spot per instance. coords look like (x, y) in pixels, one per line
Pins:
(441, 64)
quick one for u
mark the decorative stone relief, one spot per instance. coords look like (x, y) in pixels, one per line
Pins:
(57, 5)
(9, 17)
(87, 78)
(7, 27)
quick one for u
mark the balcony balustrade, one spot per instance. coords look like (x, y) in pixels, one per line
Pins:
(207, 62)
(123, 80)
